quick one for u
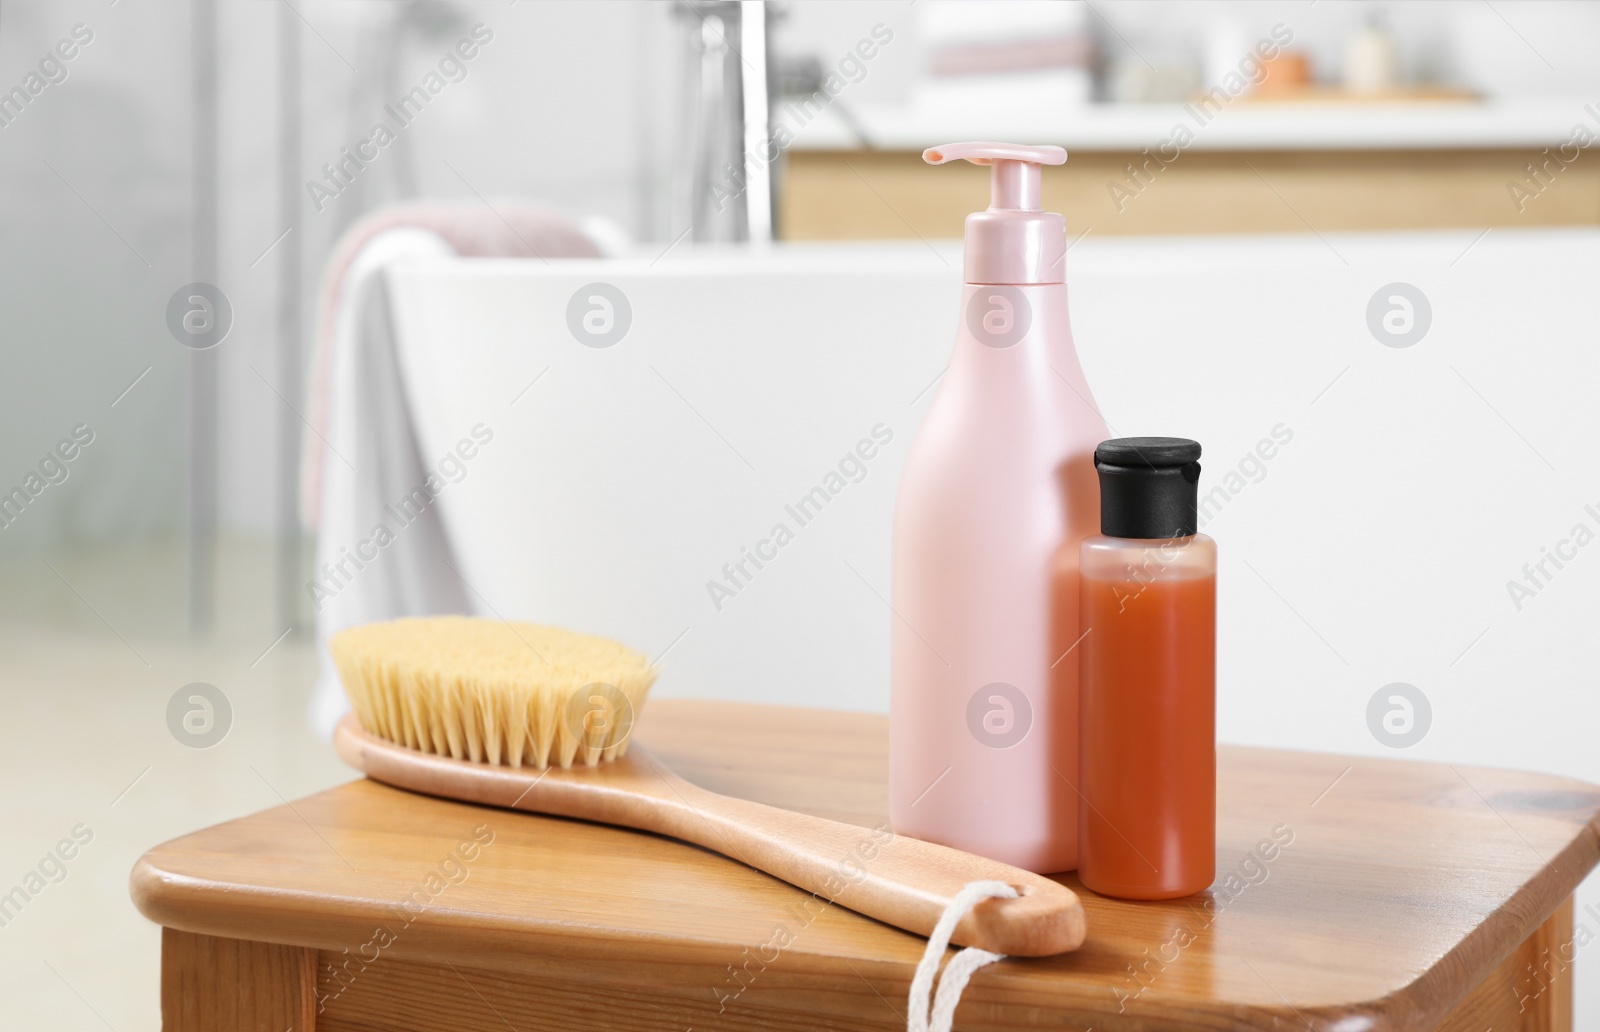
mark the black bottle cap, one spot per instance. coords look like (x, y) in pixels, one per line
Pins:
(1149, 487)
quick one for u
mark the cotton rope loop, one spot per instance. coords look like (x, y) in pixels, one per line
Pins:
(959, 970)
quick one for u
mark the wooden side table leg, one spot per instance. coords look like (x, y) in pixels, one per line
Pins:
(1531, 990)
(209, 983)
(1552, 953)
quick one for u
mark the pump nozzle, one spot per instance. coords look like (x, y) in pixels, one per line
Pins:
(1014, 241)
(1014, 169)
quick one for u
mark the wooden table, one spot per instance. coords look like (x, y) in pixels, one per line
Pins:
(1353, 894)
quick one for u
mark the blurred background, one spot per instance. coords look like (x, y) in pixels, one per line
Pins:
(146, 148)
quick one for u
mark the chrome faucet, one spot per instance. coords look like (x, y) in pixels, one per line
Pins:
(728, 164)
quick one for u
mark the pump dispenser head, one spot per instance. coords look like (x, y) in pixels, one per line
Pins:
(1014, 241)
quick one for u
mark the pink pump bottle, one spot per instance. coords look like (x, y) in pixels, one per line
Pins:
(983, 739)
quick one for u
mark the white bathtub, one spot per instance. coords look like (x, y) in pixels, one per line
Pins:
(1375, 547)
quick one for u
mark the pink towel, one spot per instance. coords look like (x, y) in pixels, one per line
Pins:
(472, 230)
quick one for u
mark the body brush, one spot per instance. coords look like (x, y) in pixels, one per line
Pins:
(539, 719)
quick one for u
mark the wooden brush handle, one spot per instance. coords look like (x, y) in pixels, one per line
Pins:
(901, 881)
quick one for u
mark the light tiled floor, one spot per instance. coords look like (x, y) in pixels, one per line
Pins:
(90, 653)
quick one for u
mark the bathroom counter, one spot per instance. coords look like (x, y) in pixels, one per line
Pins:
(1247, 125)
(1352, 894)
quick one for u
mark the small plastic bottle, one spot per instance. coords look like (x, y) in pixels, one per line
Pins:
(1147, 677)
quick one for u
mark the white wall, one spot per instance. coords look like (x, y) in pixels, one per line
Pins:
(92, 211)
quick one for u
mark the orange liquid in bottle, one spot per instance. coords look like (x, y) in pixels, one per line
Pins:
(1148, 723)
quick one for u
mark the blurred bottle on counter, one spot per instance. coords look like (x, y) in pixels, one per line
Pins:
(1371, 64)
(1164, 70)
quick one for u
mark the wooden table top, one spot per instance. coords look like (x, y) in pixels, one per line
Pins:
(1352, 893)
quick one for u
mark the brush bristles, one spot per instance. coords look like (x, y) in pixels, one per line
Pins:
(493, 691)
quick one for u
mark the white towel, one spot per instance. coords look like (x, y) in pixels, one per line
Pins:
(372, 461)
(375, 561)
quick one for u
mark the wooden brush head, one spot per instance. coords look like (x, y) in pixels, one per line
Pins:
(493, 691)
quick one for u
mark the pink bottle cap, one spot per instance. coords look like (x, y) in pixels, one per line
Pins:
(1014, 241)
